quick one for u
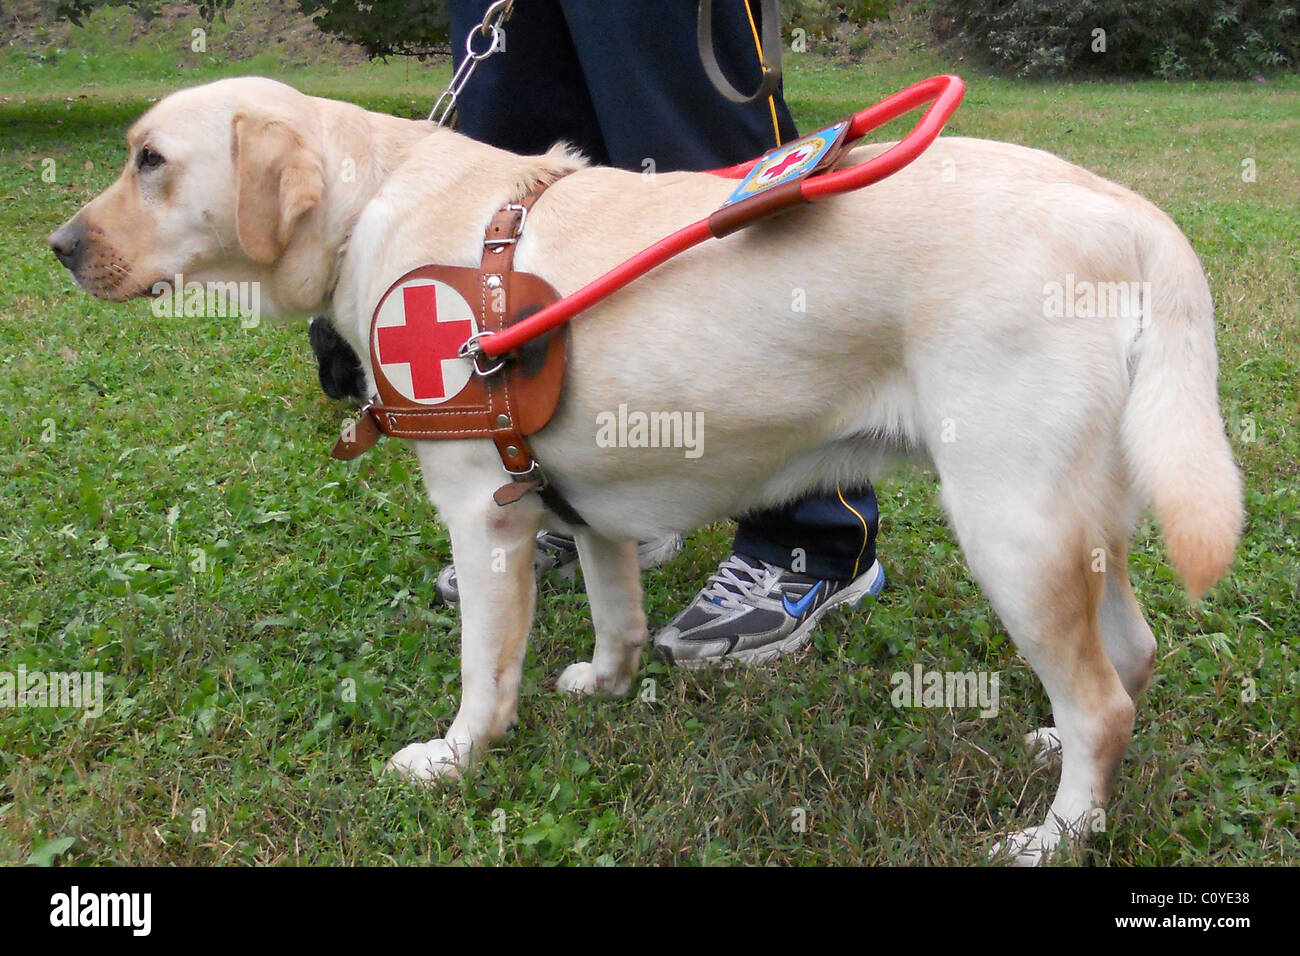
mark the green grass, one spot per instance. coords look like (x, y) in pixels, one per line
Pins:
(225, 684)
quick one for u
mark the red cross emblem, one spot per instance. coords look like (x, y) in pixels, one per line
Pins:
(418, 332)
(794, 158)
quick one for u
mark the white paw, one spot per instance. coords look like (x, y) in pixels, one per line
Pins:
(1029, 847)
(1043, 743)
(432, 760)
(579, 678)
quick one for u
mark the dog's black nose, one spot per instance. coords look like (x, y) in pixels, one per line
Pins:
(67, 245)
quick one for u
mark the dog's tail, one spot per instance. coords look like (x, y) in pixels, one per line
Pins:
(1173, 433)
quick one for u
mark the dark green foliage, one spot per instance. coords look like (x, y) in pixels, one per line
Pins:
(77, 10)
(385, 27)
(380, 27)
(1165, 38)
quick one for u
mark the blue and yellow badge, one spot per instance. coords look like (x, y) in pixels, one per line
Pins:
(789, 163)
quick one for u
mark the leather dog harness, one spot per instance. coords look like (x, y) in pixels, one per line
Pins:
(479, 353)
(426, 389)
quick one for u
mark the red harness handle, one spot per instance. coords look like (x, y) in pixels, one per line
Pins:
(944, 93)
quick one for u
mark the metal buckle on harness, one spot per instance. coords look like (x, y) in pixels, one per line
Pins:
(534, 472)
(362, 412)
(474, 352)
(518, 230)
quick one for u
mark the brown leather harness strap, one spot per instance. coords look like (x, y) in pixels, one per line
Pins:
(497, 274)
(504, 400)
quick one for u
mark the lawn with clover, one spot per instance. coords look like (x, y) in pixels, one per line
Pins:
(264, 616)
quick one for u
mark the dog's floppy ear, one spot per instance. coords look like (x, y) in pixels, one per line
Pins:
(277, 180)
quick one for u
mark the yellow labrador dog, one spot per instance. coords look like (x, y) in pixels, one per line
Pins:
(1044, 338)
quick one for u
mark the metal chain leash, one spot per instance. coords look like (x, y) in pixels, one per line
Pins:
(492, 27)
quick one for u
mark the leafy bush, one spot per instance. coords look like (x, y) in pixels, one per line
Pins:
(820, 17)
(386, 27)
(1166, 38)
(76, 11)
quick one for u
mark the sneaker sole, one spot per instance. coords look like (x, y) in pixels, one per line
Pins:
(869, 584)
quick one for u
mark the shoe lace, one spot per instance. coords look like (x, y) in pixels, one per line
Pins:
(737, 582)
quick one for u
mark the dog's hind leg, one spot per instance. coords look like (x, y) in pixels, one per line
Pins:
(493, 547)
(1053, 618)
(613, 581)
(1125, 633)
(1033, 561)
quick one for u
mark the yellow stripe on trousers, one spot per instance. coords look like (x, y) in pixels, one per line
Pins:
(866, 530)
(771, 100)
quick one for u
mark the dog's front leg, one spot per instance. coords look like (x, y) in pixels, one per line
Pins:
(614, 591)
(493, 548)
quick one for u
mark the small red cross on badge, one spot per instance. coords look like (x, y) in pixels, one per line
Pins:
(413, 341)
(793, 158)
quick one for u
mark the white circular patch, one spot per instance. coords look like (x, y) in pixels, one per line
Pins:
(417, 334)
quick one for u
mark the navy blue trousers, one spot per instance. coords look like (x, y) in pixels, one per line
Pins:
(623, 82)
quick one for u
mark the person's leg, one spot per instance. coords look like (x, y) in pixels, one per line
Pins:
(828, 536)
(654, 102)
(531, 94)
(788, 567)
(651, 95)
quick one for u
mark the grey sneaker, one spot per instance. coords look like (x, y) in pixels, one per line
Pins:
(558, 555)
(752, 611)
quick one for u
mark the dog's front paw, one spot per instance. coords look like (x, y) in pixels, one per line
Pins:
(1043, 743)
(432, 760)
(1031, 847)
(579, 678)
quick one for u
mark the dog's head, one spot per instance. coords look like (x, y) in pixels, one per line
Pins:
(220, 181)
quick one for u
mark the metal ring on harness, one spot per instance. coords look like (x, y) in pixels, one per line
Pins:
(473, 351)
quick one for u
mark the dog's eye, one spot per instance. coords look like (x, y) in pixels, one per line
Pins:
(149, 159)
